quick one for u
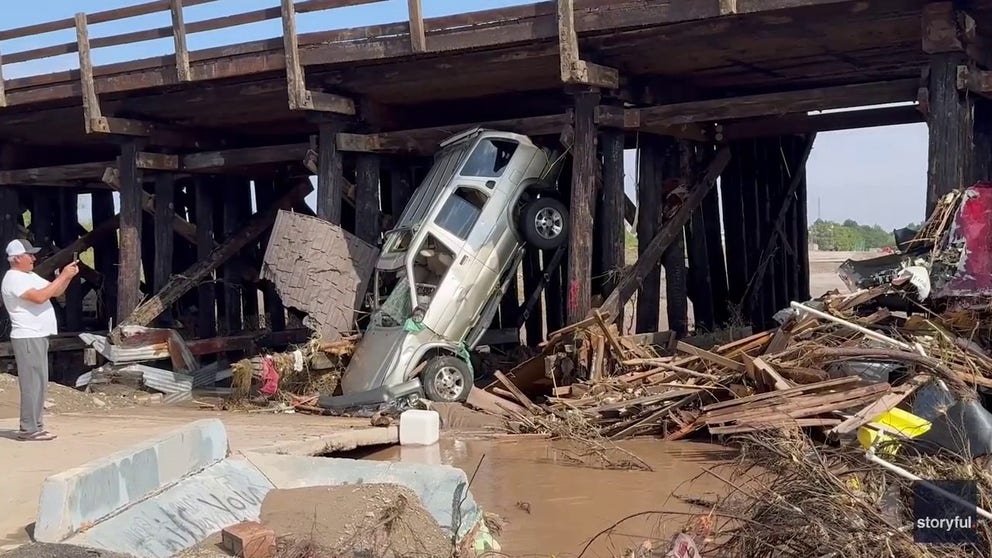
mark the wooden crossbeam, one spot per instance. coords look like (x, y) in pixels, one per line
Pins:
(183, 228)
(801, 123)
(300, 98)
(214, 160)
(426, 140)
(975, 81)
(574, 70)
(787, 102)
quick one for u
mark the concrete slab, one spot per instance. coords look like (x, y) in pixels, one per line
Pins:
(78, 497)
(442, 489)
(183, 515)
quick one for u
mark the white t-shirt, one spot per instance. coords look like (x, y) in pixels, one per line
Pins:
(27, 318)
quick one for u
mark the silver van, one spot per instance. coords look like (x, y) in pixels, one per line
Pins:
(442, 271)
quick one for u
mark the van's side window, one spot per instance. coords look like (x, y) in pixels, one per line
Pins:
(490, 158)
(461, 211)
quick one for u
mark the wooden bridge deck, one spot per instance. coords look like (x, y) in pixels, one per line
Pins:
(489, 65)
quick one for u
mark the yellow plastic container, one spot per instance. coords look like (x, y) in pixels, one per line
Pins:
(897, 422)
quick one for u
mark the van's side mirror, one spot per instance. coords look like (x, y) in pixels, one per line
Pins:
(418, 315)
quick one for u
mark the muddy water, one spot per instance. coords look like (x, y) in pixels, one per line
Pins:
(553, 508)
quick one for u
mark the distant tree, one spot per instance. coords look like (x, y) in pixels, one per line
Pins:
(849, 236)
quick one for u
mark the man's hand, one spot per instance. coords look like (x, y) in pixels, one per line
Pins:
(71, 270)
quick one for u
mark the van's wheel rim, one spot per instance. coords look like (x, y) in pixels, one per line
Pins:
(448, 383)
(549, 222)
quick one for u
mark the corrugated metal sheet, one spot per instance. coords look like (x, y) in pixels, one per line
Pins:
(320, 269)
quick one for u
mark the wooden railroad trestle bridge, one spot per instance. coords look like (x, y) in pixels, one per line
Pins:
(702, 88)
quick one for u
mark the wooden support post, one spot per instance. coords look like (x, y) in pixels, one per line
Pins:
(532, 281)
(700, 284)
(582, 208)
(574, 70)
(190, 278)
(952, 126)
(43, 212)
(164, 238)
(673, 259)
(418, 38)
(774, 241)
(91, 104)
(106, 256)
(330, 174)
(179, 37)
(68, 234)
(610, 217)
(206, 325)
(3, 91)
(554, 293)
(400, 189)
(300, 98)
(368, 217)
(275, 312)
(509, 305)
(648, 259)
(10, 210)
(649, 200)
(129, 265)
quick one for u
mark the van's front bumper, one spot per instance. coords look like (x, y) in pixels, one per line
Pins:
(377, 396)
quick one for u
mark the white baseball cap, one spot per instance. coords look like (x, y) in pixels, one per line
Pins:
(20, 247)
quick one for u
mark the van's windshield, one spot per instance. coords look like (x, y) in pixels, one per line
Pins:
(397, 307)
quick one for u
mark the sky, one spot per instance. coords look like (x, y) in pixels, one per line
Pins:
(874, 176)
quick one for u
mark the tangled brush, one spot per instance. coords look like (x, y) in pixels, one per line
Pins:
(805, 500)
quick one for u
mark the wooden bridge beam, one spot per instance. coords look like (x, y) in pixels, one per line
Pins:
(301, 98)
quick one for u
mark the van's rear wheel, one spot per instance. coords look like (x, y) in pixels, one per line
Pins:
(447, 379)
(545, 223)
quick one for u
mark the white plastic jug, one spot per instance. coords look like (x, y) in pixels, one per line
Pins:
(419, 428)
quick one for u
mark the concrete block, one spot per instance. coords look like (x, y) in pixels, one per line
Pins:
(249, 539)
(83, 496)
(183, 515)
(438, 486)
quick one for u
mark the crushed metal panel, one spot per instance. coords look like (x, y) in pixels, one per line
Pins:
(320, 269)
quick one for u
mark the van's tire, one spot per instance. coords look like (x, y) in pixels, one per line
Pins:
(544, 223)
(447, 379)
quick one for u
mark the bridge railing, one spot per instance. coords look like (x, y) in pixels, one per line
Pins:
(178, 30)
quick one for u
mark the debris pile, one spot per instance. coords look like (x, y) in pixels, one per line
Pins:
(838, 412)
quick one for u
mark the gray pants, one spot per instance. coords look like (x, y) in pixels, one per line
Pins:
(31, 356)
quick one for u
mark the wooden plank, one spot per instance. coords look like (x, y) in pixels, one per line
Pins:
(91, 104)
(179, 38)
(784, 394)
(185, 281)
(485, 401)
(885, 404)
(519, 395)
(129, 264)
(582, 208)
(652, 153)
(710, 356)
(418, 39)
(653, 252)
